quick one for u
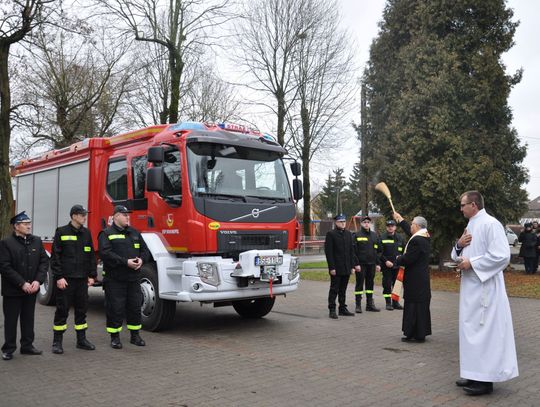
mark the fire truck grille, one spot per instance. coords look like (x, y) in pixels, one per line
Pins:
(239, 241)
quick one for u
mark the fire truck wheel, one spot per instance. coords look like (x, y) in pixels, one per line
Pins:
(47, 290)
(157, 314)
(254, 308)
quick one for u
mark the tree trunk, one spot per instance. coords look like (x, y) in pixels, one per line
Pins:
(305, 169)
(177, 67)
(6, 192)
(281, 117)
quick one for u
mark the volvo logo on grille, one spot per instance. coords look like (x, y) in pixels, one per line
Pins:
(255, 212)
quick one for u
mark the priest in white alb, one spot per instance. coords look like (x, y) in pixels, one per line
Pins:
(487, 350)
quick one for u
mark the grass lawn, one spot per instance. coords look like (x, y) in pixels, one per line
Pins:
(518, 284)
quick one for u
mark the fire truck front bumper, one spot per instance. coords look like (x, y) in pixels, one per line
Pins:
(215, 279)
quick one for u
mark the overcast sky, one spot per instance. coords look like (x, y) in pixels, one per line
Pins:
(362, 17)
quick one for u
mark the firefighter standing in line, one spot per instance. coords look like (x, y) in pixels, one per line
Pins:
(123, 252)
(366, 251)
(23, 266)
(73, 264)
(390, 246)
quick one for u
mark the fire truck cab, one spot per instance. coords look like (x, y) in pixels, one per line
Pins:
(212, 202)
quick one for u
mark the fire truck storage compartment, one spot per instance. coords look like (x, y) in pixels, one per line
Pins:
(48, 195)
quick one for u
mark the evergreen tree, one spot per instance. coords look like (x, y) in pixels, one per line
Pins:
(331, 195)
(352, 194)
(438, 111)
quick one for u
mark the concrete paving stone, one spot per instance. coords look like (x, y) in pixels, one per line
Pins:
(296, 356)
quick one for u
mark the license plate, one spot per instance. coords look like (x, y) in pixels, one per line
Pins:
(268, 260)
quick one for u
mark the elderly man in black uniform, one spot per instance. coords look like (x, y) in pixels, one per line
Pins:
(23, 265)
(339, 250)
(390, 246)
(73, 264)
(123, 252)
(416, 286)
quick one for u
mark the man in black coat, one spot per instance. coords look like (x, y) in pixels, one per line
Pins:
(416, 286)
(123, 252)
(339, 250)
(73, 264)
(529, 242)
(23, 265)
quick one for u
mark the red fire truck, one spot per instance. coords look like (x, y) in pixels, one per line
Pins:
(213, 203)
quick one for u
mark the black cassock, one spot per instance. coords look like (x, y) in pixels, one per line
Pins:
(416, 286)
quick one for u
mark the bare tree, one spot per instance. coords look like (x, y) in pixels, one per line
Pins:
(180, 27)
(17, 19)
(72, 89)
(324, 74)
(267, 39)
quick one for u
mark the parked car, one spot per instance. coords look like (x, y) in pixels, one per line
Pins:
(512, 237)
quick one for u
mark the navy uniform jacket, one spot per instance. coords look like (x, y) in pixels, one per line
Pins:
(390, 246)
(22, 260)
(339, 250)
(73, 253)
(116, 246)
(366, 246)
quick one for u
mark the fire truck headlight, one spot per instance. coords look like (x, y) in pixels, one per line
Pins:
(293, 268)
(208, 272)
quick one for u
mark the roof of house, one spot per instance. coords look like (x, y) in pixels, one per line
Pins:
(534, 205)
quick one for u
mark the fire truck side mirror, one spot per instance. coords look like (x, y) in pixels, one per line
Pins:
(298, 193)
(296, 168)
(154, 178)
(156, 155)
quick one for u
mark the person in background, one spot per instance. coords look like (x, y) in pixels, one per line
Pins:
(23, 266)
(487, 350)
(390, 246)
(529, 244)
(339, 250)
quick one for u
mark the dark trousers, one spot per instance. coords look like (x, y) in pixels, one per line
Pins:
(367, 276)
(338, 288)
(388, 279)
(529, 264)
(535, 269)
(123, 300)
(76, 294)
(22, 307)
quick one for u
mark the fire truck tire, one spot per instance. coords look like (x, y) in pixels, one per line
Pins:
(157, 314)
(254, 308)
(47, 291)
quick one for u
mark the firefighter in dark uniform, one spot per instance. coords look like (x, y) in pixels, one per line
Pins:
(390, 246)
(23, 266)
(339, 250)
(366, 251)
(123, 252)
(73, 264)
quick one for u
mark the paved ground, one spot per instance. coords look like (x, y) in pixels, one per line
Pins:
(295, 356)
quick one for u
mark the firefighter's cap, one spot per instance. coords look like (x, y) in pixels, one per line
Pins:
(20, 218)
(78, 210)
(390, 222)
(120, 209)
(340, 218)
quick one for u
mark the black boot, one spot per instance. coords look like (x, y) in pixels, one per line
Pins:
(332, 314)
(396, 304)
(358, 308)
(115, 341)
(389, 306)
(370, 305)
(136, 339)
(82, 342)
(57, 342)
(345, 312)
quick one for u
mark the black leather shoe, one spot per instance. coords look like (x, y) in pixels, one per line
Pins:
(31, 351)
(7, 356)
(407, 339)
(332, 314)
(137, 340)
(345, 312)
(463, 382)
(397, 305)
(478, 388)
(85, 344)
(115, 343)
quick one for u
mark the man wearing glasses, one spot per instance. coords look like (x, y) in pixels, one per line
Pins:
(23, 265)
(339, 250)
(487, 350)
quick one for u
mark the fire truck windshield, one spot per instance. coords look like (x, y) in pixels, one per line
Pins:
(233, 172)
